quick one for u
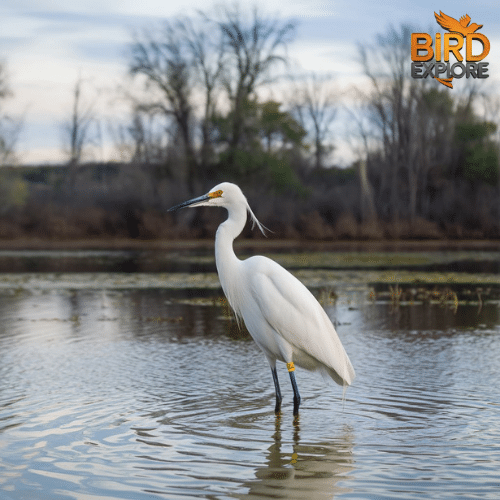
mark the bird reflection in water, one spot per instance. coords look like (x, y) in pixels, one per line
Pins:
(311, 471)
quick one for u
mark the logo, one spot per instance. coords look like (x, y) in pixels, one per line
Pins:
(432, 57)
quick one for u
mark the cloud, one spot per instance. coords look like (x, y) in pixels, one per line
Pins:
(51, 43)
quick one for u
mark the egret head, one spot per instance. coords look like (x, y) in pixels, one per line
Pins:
(226, 195)
(222, 195)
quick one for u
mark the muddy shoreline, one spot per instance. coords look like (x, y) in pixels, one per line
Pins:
(268, 244)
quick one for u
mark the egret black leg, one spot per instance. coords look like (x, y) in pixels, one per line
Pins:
(277, 409)
(296, 395)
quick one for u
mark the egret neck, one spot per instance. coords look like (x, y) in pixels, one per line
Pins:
(226, 261)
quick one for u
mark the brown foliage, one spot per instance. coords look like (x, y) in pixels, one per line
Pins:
(346, 227)
(313, 227)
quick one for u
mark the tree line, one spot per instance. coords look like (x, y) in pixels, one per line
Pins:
(222, 102)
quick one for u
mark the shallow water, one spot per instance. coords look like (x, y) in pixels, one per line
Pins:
(141, 386)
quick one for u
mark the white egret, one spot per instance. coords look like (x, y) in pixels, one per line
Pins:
(281, 314)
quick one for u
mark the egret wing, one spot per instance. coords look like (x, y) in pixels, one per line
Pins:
(295, 314)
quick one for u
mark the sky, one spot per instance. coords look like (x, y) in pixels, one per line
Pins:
(47, 45)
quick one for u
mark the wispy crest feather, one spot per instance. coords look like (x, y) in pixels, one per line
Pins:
(256, 222)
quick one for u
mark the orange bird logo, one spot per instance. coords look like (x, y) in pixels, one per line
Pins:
(454, 26)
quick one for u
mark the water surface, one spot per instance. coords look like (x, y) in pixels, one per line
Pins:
(117, 385)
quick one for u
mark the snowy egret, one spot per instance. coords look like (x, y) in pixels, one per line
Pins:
(281, 314)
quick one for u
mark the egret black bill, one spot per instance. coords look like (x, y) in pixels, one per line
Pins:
(188, 203)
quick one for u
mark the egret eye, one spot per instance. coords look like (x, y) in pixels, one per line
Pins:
(215, 194)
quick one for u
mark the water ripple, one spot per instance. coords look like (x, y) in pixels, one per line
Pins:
(99, 401)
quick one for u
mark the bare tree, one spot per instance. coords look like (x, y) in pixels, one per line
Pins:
(392, 104)
(77, 131)
(206, 47)
(149, 133)
(491, 113)
(9, 126)
(165, 62)
(4, 88)
(228, 57)
(362, 145)
(255, 46)
(315, 106)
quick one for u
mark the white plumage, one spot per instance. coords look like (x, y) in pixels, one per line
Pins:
(281, 314)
